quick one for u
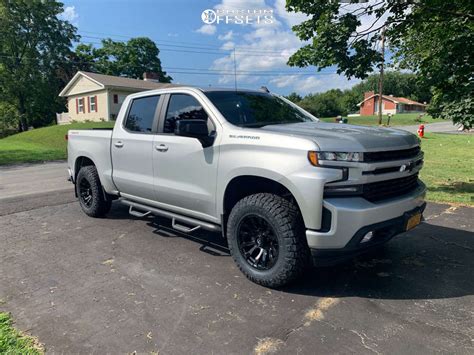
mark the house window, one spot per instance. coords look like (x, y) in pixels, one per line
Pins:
(115, 99)
(93, 103)
(80, 105)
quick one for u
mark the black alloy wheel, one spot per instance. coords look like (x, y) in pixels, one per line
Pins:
(257, 242)
(85, 192)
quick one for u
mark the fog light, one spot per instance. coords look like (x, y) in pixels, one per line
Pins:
(368, 237)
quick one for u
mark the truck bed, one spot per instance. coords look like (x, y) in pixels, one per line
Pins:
(93, 144)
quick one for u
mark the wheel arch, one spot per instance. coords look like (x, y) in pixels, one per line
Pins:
(80, 162)
(244, 185)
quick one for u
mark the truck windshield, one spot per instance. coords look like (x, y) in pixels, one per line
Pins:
(254, 109)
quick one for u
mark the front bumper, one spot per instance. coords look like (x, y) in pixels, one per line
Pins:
(353, 215)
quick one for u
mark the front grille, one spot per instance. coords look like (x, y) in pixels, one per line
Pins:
(372, 157)
(382, 190)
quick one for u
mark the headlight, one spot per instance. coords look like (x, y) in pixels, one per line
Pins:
(314, 157)
(340, 156)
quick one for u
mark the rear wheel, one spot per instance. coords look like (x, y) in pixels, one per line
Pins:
(265, 234)
(90, 193)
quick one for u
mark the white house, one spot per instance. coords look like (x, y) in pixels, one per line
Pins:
(98, 97)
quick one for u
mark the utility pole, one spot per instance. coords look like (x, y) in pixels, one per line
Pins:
(235, 72)
(382, 40)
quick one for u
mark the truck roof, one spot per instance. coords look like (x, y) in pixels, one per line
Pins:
(211, 89)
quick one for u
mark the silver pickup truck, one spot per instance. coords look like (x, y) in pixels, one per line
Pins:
(284, 188)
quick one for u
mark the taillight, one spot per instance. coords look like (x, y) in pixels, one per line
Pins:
(65, 137)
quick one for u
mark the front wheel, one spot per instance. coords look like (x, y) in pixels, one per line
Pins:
(265, 234)
(89, 191)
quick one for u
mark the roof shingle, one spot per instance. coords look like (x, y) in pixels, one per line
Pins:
(118, 81)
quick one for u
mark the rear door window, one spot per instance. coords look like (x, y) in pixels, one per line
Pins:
(142, 114)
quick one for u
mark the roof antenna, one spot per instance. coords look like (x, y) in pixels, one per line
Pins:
(265, 89)
(235, 72)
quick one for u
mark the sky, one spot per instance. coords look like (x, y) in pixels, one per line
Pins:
(201, 54)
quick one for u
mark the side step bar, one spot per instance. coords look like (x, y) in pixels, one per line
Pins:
(175, 217)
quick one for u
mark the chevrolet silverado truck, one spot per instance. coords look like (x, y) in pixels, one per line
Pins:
(284, 188)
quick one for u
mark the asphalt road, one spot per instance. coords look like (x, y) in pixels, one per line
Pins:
(438, 127)
(29, 179)
(121, 284)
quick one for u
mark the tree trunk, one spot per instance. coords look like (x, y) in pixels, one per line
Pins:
(22, 124)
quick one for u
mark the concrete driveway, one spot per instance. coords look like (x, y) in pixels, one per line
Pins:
(121, 284)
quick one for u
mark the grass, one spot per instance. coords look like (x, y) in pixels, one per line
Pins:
(14, 342)
(449, 167)
(402, 119)
(40, 144)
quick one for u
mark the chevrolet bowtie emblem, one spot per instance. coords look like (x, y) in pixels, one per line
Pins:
(408, 167)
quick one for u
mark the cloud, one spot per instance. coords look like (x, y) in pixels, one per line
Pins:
(291, 18)
(171, 34)
(207, 29)
(69, 14)
(241, 5)
(266, 48)
(227, 36)
(320, 82)
(228, 46)
(263, 48)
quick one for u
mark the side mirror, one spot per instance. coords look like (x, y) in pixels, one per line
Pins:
(195, 129)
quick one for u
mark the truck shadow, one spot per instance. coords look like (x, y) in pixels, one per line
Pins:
(211, 243)
(429, 262)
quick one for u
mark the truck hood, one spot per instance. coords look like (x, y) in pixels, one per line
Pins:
(348, 138)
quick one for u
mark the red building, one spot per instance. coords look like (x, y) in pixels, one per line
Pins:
(390, 104)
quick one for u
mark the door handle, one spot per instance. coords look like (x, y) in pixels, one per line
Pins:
(118, 144)
(161, 148)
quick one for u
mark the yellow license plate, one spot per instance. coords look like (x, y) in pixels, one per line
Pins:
(413, 221)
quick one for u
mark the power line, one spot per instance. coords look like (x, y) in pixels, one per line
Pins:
(240, 49)
(201, 71)
(250, 54)
(156, 39)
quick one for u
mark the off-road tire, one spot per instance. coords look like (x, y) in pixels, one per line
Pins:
(100, 205)
(285, 219)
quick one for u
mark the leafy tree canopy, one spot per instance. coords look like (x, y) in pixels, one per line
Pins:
(294, 97)
(130, 59)
(34, 43)
(433, 38)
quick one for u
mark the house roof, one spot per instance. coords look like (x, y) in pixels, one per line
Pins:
(110, 81)
(395, 99)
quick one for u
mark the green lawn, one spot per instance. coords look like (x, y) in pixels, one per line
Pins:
(449, 167)
(403, 119)
(13, 342)
(40, 144)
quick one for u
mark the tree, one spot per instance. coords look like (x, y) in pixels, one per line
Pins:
(326, 104)
(130, 59)
(433, 38)
(294, 97)
(8, 118)
(34, 43)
